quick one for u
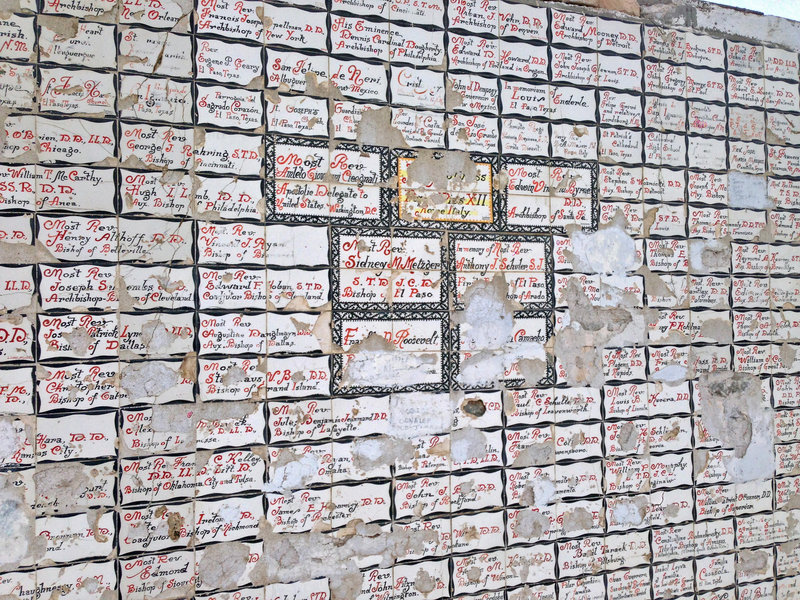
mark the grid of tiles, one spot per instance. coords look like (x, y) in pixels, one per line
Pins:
(209, 216)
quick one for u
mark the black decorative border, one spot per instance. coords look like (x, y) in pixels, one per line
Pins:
(547, 241)
(444, 284)
(337, 366)
(516, 383)
(271, 214)
(592, 166)
(394, 206)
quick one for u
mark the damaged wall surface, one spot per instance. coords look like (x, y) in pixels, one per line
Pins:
(366, 300)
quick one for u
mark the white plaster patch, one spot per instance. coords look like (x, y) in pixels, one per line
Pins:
(467, 444)
(293, 474)
(748, 191)
(419, 413)
(608, 251)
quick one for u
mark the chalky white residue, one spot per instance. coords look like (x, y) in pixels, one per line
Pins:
(467, 444)
(748, 191)
(487, 329)
(608, 251)
(387, 368)
(293, 474)
(626, 513)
